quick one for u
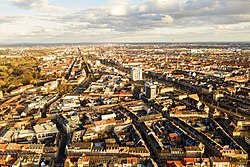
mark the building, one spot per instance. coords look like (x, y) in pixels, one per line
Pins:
(136, 73)
(28, 160)
(1, 94)
(34, 148)
(150, 90)
(220, 162)
(45, 131)
(197, 162)
(24, 136)
(104, 124)
(50, 86)
(69, 102)
(69, 121)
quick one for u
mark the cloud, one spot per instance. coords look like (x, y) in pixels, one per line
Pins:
(120, 16)
(149, 19)
(132, 22)
(9, 19)
(215, 11)
(36, 4)
(118, 8)
(199, 4)
(233, 27)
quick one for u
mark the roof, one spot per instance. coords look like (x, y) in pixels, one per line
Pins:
(176, 163)
(85, 145)
(173, 135)
(46, 128)
(132, 160)
(34, 146)
(218, 159)
(105, 122)
(14, 146)
(26, 133)
(8, 135)
(188, 160)
(84, 159)
(20, 124)
(192, 148)
(194, 96)
(3, 146)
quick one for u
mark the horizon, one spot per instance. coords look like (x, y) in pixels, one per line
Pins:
(126, 21)
(136, 42)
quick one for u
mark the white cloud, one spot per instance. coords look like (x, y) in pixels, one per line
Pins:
(199, 4)
(101, 19)
(233, 27)
(157, 20)
(36, 4)
(9, 19)
(168, 5)
(118, 8)
(168, 19)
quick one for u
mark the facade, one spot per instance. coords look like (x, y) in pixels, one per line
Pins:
(136, 73)
(150, 90)
(1, 94)
(69, 121)
(220, 162)
(45, 131)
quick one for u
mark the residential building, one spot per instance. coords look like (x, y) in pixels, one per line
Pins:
(220, 162)
(45, 131)
(150, 90)
(136, 73)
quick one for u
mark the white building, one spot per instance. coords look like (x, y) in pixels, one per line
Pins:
(49, 86)
(150, 90)
(69, 121)
(45, 130)
(1, 94)
(136, 73)
(25, 136)
(220, 162)
(69, 102)
(108, 116)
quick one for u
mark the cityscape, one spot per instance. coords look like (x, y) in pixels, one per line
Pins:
(125, 105)
(151, 83)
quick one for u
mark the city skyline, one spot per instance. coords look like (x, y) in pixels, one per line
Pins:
(61, 21)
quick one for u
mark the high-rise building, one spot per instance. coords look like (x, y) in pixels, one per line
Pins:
(150, 90)
(1, 94)
(136, 73)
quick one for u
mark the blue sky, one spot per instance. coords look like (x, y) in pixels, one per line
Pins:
(45, 21)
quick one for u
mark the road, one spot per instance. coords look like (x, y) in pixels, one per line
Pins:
(210, 143)
(237, 116)
(84, 85)
(72, 65)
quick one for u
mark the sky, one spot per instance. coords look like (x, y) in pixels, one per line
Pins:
(73, 21)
